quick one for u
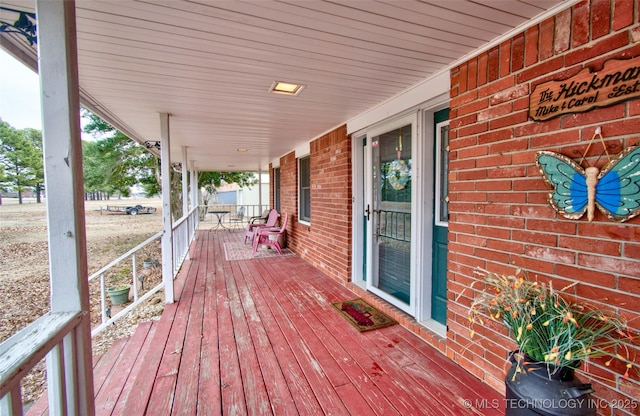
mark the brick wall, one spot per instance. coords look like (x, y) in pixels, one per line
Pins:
(500, 217)
(326, 243)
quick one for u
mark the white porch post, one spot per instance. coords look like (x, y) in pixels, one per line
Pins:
(185, 183)
(59, 89)
(167, 236)
(194, 185)
(260, 191)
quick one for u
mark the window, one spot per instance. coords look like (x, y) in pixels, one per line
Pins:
(304, 185)
(442, 170)
(276, 189)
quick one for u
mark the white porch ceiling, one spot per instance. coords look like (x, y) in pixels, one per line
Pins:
(210, 64)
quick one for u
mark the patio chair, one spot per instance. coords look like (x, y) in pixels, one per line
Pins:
(270, 236)
(271, 220)
(236, 221)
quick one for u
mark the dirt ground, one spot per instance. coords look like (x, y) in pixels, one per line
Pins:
(24, 269)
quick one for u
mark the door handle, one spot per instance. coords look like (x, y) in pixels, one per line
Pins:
(368, 212)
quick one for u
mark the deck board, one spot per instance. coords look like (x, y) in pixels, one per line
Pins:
(260, 337)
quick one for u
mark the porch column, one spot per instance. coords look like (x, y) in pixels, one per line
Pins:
(260, 191)
(194, 185)
(72, 393)
(167, 236)
(185, 183)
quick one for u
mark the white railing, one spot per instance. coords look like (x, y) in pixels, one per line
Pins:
(184, 231)
(102, 273)
(53, 336)
(50, 335)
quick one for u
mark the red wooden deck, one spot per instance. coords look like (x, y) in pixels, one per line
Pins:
(260, 337)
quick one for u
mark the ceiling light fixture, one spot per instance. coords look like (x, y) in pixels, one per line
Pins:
(242, 150)
(286, 88)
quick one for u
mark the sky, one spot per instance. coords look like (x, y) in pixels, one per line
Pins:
(19, 94)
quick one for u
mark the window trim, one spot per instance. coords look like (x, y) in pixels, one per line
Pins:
(439, 175)
(301, 219)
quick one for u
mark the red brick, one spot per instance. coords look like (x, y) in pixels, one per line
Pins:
(494, 160)
(555, 139)
(530, 184)
(462, 85)
(562, 32)
(496, 87)
(540, 69)
(554, 255)
(517, 53)
(464, 99)
(545, 239)
(610, 248)
(473, 107)
(632, 250)
(534, 128)
(558, 227)
(500, 185)
(600, 18)
(596, 49)
(531, 45)
(505, 58)
(510, 94)
(580, 24)
(472, 81)
(622, 14)
(495, 111)
(483, 61)
(586, 276)
(473, 129)
(493, 64)
(508, 246)
(510, 120)
(495, 136)
(506, 144)
(508, 172)
(547, 32)
(613, 265)
(628, 284)
(596, 116)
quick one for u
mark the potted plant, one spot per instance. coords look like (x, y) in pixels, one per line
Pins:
(554, 335)
(119, 294)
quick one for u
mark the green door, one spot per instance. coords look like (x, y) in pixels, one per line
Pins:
(440, 218)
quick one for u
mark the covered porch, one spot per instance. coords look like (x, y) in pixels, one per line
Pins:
(260, 336)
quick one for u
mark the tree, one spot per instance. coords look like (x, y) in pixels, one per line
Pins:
(20, 158)
(35, 137)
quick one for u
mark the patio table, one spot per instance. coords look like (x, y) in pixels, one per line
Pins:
(219, 215)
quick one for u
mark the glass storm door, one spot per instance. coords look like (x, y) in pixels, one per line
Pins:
(390, 216)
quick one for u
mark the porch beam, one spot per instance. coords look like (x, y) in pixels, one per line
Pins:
(62, 145)
(167, 225)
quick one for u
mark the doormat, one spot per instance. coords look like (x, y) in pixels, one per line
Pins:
(241, 251)
(362, 315)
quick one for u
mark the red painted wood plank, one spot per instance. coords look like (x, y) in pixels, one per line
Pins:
(188, 375)
(233, 400)
(299, 387)
(275, 383)
(353, 400)
(381, 370)
(209, 402)
(324, 392)
(105, 366)
(106, 399)
(161, 399)
(138, 399)
(255, 391)
(138, 366)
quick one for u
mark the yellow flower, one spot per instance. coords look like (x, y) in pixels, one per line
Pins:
(568, 355)
(529, 326)
(519, 333)
(546, 323)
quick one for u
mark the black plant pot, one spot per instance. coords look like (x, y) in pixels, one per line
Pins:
(544, 390)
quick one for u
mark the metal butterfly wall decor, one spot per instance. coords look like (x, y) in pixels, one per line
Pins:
(615, 189)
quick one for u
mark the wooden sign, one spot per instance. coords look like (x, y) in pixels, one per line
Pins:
(618, 81)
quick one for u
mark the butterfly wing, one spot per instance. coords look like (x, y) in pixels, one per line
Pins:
(567, 178)
(618, 187)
